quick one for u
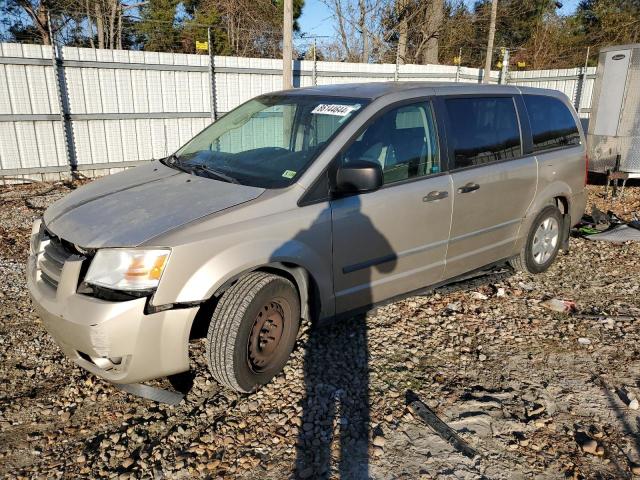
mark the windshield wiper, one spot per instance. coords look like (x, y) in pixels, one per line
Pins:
(172, 161)
(214, 173)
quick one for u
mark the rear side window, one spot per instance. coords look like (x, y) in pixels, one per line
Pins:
(483, 130)
(552, 124)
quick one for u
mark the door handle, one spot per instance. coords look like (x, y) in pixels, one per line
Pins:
(469, 187)
(435, 195)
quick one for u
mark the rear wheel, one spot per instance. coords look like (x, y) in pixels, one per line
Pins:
(543, 242)
(253, 330)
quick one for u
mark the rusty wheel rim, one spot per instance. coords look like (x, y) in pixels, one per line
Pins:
(266, 335)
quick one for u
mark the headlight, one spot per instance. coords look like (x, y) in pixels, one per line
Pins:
(127, 269)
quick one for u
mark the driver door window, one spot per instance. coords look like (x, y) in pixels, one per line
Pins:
(403, 141)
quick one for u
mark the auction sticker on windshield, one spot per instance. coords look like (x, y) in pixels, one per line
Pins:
(289, 174)
(334, 109)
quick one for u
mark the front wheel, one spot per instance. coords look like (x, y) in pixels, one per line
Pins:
(543, 242)
(253, 331)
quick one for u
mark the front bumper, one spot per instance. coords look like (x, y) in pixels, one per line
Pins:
(114, 340)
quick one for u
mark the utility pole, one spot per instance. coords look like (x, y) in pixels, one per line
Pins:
(287, 46)
(492, 32)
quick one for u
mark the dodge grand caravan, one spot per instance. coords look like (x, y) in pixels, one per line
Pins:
(304, 204)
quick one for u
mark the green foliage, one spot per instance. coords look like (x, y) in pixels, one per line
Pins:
(157, 25)
(534, 31)
(194, 30)
(607, 22)
(297, 11)
(536, 34)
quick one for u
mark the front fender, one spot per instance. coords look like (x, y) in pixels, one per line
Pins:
(207, 256)
(243, 258)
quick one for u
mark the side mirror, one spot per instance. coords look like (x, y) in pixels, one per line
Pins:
(358, 177)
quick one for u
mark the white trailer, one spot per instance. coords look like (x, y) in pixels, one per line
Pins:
(614, 126)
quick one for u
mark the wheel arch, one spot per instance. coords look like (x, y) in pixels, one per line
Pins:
(302, 279)
(562, 202)
(311, 302)
(557, 193)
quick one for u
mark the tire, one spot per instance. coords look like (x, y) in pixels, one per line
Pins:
(253, 330)
(535, 259)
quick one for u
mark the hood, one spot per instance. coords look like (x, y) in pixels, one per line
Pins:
(132, 207)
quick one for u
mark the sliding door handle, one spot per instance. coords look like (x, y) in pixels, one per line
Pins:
(469, 187)
(435, 195)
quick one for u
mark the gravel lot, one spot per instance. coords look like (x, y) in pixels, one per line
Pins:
(537, 393)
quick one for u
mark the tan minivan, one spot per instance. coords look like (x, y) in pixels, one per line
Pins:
(303, 204)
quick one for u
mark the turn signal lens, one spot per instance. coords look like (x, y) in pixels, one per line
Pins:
(138, 269)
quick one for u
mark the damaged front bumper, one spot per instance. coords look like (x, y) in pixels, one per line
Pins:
(114, 340)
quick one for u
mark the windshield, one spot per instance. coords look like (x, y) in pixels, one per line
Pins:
(268, 141)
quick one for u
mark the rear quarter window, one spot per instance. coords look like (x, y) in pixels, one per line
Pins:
(552, 124)
(483, 130)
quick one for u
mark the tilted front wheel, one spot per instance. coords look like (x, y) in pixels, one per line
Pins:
(543, 242)
(253, 330)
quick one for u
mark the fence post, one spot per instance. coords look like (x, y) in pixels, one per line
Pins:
(314, 72)
(582, 80)
(212, 73)
(504, 72)
(63, 101)
(396, 73)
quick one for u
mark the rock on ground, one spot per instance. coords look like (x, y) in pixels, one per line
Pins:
(510, 376)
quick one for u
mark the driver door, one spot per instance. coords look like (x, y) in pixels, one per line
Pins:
(393, 240)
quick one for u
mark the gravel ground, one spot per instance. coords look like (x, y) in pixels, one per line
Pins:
(535, 392)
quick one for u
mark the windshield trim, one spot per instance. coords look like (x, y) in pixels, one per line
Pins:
(363, 101)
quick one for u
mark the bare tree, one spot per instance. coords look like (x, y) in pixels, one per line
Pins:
(403, 29)
(358, 27)
(341, 19)
(38, 11)
(432, 24)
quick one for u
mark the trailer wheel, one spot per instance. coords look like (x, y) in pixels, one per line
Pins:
(253, 330)
(543, 242)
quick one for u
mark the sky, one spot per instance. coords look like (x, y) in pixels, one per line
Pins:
(317, 20)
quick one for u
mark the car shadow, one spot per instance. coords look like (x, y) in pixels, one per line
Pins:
(334, 433)
(333, 438)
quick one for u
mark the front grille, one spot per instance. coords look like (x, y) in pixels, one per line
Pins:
(53, 254)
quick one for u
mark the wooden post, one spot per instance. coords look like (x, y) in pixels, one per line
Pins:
(492, 32)
(287, 46)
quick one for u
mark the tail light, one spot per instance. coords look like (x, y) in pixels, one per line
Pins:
(586, 169)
